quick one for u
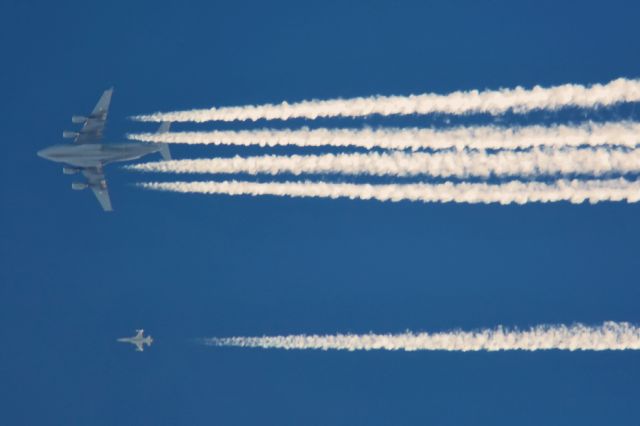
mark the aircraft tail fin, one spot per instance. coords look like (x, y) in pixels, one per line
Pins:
(165, 126)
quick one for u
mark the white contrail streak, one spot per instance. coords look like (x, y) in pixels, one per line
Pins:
(441, 164)
(574, 191)
(487, 137)
(607, 337)
(519, 100)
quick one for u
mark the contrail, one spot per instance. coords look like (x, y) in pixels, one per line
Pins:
(574, 191)
(462, 164)
(611, 336)
(483, 137)
(519, 100)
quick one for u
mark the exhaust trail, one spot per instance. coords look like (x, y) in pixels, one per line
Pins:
(573, 191)
(484, 137)
(440, 164)
(610, 336)
(519, 100)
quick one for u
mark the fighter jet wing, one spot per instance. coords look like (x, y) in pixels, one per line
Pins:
(139, 347)
(98, 184)
(93, 127)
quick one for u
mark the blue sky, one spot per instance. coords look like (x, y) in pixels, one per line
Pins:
(73, 279)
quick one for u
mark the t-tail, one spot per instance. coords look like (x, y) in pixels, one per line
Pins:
(164, 147)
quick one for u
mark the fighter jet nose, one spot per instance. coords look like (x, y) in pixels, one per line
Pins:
(42, 153)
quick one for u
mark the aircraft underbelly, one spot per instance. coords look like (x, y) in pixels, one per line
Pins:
(119, 153)
(131, 157)
(82, 162)
(87, 160)
(94, 159)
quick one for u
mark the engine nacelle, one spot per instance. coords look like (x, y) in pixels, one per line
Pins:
(77, 186)
(79, 119)
(69, 135)
(69, 170)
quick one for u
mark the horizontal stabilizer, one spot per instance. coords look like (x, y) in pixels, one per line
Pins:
(164, 151)
(165, 126)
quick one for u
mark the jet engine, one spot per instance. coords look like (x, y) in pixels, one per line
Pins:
(77, 186)
(69, 135)
(78, 119)
(69, 170)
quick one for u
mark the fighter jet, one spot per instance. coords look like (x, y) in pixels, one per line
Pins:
(139, 340)
(87, 155)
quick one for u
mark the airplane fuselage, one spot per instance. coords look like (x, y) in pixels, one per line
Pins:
(145, 340)
(94, 155)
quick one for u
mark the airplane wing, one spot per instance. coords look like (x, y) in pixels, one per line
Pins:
(98, 184)
(139, 347)
(93, 127)
(139, 335)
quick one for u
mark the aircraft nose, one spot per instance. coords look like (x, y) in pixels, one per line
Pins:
(45, 153)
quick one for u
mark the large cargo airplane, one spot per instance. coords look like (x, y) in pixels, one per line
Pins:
(87, 155)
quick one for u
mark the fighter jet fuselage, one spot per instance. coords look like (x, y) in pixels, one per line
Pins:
(139, 340)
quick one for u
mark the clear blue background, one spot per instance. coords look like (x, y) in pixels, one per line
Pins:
(73, 279)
